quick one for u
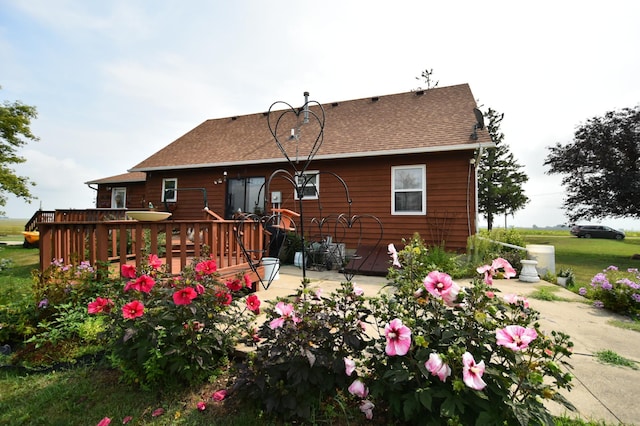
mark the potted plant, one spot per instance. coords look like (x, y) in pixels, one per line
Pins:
(565, 277)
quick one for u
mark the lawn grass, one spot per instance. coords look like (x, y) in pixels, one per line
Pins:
(588, 257)
(84, 395)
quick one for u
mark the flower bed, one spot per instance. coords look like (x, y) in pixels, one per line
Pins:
(429, 351)
(615, 290)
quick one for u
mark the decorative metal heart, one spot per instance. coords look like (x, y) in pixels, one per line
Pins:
(366, 230)
(298, 132)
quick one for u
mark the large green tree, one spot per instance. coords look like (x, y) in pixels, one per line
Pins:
(601, 167)
(500, 177)
(15, 119)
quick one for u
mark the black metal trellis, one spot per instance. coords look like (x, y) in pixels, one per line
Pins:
(287, 126)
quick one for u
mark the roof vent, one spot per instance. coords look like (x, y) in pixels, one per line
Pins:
(334, 104)
(375, 99)
(419, 92)
(234, 118)
(265, 113)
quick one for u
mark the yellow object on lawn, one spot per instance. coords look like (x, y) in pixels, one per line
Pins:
(32, 237)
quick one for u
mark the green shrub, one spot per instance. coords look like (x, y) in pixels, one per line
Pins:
(484, 246)
(165, 331)
(299, 365)
(433, 351)
(422, 259)
(451, 329)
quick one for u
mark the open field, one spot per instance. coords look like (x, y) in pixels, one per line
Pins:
(11, 229)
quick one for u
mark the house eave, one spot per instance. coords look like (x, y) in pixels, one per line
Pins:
(408, 151)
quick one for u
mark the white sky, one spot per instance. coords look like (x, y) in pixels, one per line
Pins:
(115, 81)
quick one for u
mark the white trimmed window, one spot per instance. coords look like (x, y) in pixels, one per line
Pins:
(118, 198)
(309, 184)
(169, 193)
(409, 190)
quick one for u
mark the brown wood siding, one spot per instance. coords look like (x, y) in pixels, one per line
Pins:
(135, 195)
(450, 217)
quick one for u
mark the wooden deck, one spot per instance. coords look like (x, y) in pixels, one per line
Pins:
(108, 244)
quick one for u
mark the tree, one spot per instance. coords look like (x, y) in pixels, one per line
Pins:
(15, 119)
(500, 178)
(601, 167)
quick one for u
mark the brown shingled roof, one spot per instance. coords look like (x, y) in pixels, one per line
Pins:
(122, 178)
(438, 119)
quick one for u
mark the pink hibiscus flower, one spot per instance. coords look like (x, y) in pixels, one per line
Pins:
(398, 338)
(492, 270)
(358, 389)
(100, 305)
(367, 407)
(285, 310)
(201, 406)
(128, 271)
(358, 291)
(441, 285)
(253, 303)
(349, 366)
(133, 310)
(515, 337)
(155, 262)
(437, 367)
(514, 299)
(472, 372)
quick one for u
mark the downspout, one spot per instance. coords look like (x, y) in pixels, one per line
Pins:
(475, 170)
(89, 185)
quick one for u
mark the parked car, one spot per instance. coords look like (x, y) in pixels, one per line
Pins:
(596, 231)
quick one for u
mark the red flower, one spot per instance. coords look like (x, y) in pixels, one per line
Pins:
(144, 283)
(206, 267)
(127, 419)
(100, 305)
(133, 310)
(247, 281)
(157, 412)
(200, 288)
(234, 284)
(131, 285)
(253, 303)
(184, 296)
(128, 271)
(201, 405)
(104, 422)
(219, 395)
(224, 298)
(155, 262)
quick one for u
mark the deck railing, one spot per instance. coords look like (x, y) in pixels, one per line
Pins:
(117, 242)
